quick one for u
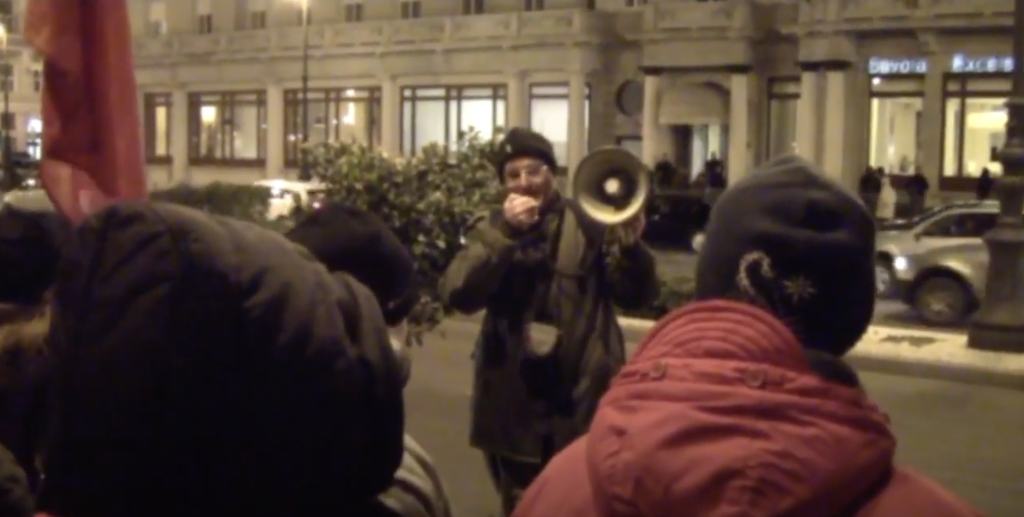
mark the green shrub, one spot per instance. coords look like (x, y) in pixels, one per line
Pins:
(426, 200)
(245, 202)
(675, 292)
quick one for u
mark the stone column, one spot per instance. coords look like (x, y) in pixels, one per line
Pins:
(740, 157)
(808, 115)
(517, 112)
(179, 136)
(390, 117)
(649, 127)
(835, 160)
(577, 145)
(275, 132)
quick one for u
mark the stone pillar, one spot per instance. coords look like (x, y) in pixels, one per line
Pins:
(517, 112)
(577, 145)
(808, 116)
(835, 160)
(179, 136)
(275, 132)
(649, 127)
(390, 117)
(740, 157)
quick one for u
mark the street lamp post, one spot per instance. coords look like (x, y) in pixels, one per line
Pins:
(304, 172)
(999, 322)
(8, 163)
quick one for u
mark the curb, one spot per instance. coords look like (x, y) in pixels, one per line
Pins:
(895, 365)
(902, 360)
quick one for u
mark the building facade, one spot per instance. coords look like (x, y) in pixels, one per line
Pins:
(899, 84)
(21, 82)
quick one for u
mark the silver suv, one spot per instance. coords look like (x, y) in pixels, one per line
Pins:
(945, 285)
(939, 227)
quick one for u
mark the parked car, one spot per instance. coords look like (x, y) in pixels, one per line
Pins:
(29, 199)
(676, 220)
(939, 227)
(288, 195)
(944, 286)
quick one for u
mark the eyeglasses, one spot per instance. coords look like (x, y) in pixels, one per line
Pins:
(529, 171)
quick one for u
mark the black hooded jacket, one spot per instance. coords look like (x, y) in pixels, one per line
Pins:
(209, 367)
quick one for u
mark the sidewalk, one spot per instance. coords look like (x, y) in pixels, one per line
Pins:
(921, 353)
(897, 351)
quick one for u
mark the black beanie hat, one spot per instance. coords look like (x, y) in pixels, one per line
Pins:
(791, 240)
(30, 243)
(522, 142)
(354, 241)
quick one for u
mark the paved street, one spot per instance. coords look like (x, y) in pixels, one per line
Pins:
(672, 264)
(967, 437)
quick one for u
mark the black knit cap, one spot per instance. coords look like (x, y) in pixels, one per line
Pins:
(522, 142)
(798, 244)
(30, 244)
(351, 240)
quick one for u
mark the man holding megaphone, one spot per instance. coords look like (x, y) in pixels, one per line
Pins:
(547, 275)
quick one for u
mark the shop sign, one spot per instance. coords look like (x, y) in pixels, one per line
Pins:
(897, 65)
(964, 64)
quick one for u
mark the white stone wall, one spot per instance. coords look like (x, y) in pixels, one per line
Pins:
(738, 45)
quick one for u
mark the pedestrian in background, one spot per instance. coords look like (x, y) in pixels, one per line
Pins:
(985, 184)
(917, 190)
(869, 188)
(740, 403)
(539, 263)
(887, 200)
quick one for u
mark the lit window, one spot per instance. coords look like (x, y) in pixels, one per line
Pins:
(894, 143)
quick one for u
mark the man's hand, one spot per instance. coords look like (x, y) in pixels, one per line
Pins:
(633, 230)
(520, 211)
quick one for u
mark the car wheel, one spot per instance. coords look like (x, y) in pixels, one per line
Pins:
(884, 277)
(697, 241)
(941, 300)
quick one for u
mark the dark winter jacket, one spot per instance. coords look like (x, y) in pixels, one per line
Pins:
(534, 393)
(208, 367)
(23, 372)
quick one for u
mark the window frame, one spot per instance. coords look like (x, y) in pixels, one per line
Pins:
(899, 181)
(473, 7)
(333, 98)
(204, 23)
(408, 93)
(8, 78)
(411, 9)
(226, 100)
(962, 92)
(257, 20)
(354, 12)
(530, 96)
(150, 102)
(949, 220)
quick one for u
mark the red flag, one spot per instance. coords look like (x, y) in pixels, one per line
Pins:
(92, 149)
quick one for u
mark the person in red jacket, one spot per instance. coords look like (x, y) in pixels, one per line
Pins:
(740, 404)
